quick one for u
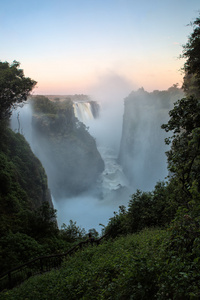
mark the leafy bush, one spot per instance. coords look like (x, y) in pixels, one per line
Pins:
(146, 265)
(72, 232)
(122, 269)
(16, 248)
(146, 209)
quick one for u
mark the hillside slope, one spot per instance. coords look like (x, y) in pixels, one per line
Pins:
(138, 266)
(23, 180)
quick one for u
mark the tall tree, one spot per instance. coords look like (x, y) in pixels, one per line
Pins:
(184, 155)
(191, 51)
(14, 87)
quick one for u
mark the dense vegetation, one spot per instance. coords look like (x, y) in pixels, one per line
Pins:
(28, 226)
(192, 65)
(26, 210)
(152, 251)
(141, 266)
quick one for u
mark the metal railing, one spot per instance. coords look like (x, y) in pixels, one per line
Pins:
(39, 265)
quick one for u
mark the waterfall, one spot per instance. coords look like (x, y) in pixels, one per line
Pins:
(112, 180)
(96, 207)
(86, 111)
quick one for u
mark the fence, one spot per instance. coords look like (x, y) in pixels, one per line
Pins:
(39, 265)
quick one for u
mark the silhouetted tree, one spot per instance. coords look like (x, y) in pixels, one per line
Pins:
(14, 87)
(191, 51)
(184, 155)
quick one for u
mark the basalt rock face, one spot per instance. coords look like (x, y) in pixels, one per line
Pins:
(142, 149)
(66, 149)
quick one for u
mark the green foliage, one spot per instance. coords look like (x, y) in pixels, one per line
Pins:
(146, 209)
(152, 264)
(72, 232)
(42, 222)
(93, 233)
(42, 104)
(25, 212)
(127, 268)
(141, 211)
(184, 155)
(14, 87)
(17, 248)
(23, 182)
(117, 225)
(192, 65)
(56, 117)
(180, 274)
(191, 85)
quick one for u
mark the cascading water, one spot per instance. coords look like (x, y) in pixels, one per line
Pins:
(83, 111)
(112, 179)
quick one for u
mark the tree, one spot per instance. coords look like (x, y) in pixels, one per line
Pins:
(191, 85)
(14, 87)
(72, 232)
(42, 222)
(184, 155)
(94, 233)
(191, 51)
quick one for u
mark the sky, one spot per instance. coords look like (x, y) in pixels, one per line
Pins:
(74, 46)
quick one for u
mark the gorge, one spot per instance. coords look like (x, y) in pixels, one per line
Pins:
(92, 165)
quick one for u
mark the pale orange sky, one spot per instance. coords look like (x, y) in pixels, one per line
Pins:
(68, 46)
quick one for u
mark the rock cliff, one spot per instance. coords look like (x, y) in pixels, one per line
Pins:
(64, 146)
(142, 149)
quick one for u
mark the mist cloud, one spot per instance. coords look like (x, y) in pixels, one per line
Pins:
(110, 90)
